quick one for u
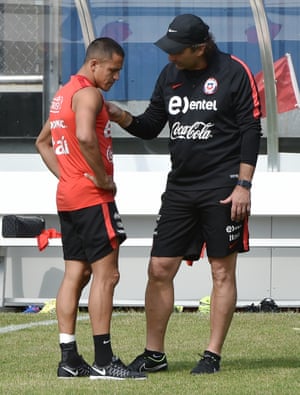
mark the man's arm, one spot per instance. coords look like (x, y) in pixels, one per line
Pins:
(44, 146)
(150, 123)
(248, 118)
(86, 104)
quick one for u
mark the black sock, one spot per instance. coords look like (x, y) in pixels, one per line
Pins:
(103, 350)
(154, 354)
(69, 354)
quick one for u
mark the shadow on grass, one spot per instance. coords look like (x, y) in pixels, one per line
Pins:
(263, 363)
(241, 364)
(180, 366)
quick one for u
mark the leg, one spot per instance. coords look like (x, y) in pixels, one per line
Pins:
(159, 301)
(175, 224)
(77, 275)
(105, 278)
(223, 300)
(222, 307)
(159, 304)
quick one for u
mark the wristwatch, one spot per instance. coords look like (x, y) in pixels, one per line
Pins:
(244, 183)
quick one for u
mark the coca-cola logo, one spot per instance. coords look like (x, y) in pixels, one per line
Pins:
(196, 131)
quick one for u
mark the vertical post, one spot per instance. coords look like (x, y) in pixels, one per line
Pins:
(265, 48)
(86, 22)
(52, 71)
(3, 251)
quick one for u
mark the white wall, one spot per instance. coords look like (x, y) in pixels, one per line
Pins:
(34, 276)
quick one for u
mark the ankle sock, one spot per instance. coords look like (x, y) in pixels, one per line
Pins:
(66, 338)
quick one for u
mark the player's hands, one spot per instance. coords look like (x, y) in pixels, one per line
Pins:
(240, 201)
(107, 184)
(115, 113)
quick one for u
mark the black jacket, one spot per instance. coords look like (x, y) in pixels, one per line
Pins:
(214, 121)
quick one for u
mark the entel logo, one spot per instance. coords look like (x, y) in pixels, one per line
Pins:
(179, 104)
(233, 228)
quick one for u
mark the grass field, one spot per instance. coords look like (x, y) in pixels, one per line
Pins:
(261, 355)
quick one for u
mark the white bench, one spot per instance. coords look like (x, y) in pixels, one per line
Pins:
(33, 193)
(139, 192)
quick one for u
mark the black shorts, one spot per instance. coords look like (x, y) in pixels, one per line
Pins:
(91, 233)
(188, 219)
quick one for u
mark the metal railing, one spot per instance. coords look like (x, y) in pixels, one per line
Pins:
(21, 83)
(86, 22)
(265, 48)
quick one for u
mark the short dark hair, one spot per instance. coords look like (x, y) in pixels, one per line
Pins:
(103, 47)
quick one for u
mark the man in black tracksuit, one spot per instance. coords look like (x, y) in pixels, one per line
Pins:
(210, 101)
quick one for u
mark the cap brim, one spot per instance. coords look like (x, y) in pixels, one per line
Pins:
(170, 46)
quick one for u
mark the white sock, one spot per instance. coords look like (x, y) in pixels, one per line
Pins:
(66, 338)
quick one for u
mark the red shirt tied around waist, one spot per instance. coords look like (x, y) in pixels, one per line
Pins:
(76, 191)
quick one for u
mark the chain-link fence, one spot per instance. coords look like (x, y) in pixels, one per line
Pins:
(21, 38)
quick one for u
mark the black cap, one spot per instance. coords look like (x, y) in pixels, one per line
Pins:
(184, 31)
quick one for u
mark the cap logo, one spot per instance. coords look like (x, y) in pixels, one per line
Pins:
(210, 86)
(184, 31)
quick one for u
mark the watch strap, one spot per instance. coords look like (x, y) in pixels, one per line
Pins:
(244, 183)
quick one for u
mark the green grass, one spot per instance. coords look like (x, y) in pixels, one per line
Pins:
(260, 356)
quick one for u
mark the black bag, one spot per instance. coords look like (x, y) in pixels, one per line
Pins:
(268, 305)
(22, 226)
